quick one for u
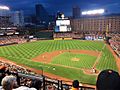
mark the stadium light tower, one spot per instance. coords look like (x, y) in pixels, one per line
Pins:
(4, 8)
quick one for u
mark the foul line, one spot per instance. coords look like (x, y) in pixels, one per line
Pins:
(98, 58)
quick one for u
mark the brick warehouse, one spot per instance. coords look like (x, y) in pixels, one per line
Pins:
(111, 23)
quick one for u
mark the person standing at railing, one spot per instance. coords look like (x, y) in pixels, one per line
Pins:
(75, 85)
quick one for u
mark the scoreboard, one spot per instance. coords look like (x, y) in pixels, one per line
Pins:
(62, 25)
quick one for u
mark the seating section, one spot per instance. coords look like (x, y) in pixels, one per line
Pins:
(6, 40)
(115, 43)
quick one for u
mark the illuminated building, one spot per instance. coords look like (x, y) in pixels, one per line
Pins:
(17, 18)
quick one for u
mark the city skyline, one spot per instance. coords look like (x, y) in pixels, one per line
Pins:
(28, 6)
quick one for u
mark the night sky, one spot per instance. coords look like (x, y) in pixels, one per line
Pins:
(52, 6)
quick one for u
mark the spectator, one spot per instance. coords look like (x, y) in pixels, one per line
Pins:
(8, 82)
(36, 84)
(2, 73)
(24, 88)
(75, 85)
(108, 80)
(2, 69)
(50, 87)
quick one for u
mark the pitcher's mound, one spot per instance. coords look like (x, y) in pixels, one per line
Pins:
(75, 59)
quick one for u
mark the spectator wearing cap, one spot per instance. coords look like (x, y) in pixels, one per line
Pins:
(108, 80)
(75, 85)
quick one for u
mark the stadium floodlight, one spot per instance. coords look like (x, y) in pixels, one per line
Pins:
(101, 11)
(84, 13)
(89, 12)
(4, 8)
(93, 12)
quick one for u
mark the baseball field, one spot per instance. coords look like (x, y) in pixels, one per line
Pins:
(72, 59)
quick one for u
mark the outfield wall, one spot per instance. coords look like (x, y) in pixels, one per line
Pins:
(63, 38)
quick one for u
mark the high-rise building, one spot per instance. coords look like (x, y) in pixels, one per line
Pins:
(42, 17)
(76, 12)
(17, 17)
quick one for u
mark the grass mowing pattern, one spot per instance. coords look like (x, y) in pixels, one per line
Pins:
(23, 53)
(85, 61)
(107, 60)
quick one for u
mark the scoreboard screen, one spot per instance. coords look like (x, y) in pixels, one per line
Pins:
(62, 22)
(62, 26)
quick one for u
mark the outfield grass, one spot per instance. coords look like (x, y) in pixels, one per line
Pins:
(23, 53)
